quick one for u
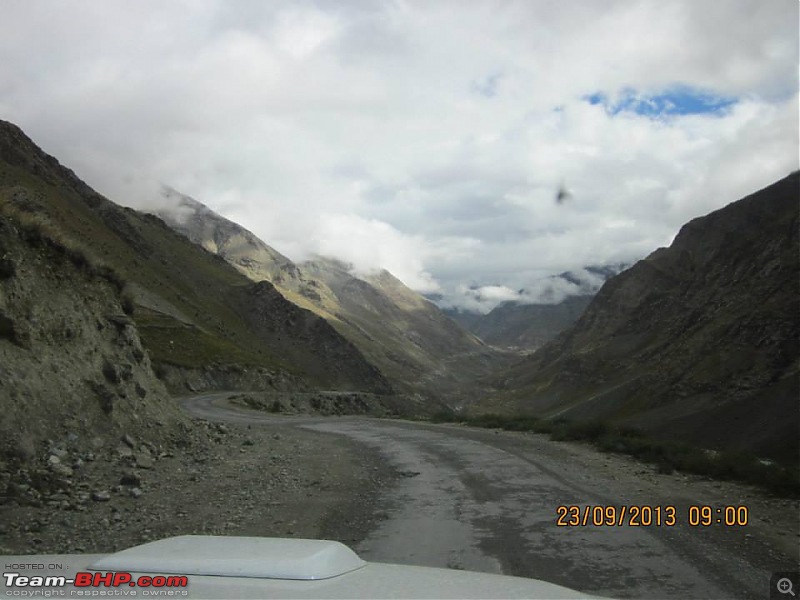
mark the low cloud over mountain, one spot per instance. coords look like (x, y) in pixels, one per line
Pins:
(427, 139)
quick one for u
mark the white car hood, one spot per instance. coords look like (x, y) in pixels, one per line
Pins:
(243, 567)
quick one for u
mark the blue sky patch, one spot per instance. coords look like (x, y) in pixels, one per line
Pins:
(674, 102)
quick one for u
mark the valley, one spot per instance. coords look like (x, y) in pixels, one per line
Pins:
(161, 376)
(497, 287)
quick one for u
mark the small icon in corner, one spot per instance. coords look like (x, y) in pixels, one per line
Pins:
(783, 585)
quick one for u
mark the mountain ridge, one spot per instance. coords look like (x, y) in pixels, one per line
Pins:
(697, 341)
(406, 336)
(184, 297)
(534, 318)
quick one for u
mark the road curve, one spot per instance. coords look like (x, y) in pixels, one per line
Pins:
(486, 501)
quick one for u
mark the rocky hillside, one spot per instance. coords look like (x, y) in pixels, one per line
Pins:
(416, 345)
(77, 389)
(103, 312)
(699, 341)
(201, 322)
(70, 357)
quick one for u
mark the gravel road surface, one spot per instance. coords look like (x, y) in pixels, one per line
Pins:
(487, 500)
(403, 492)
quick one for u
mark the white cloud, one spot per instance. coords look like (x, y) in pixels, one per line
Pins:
(373, 245)
(425, 138)
(480, 299)
(544, 290)
(300, 31)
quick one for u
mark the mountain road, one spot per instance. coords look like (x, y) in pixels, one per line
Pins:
(489, 501)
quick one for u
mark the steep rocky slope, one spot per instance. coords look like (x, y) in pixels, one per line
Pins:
(699, 341)
(71, 360)
(102, 309)
(416, 345)
(202, 323)
(74, 376)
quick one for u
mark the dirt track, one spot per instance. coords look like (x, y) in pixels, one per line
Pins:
(423, 494)
(484, 500)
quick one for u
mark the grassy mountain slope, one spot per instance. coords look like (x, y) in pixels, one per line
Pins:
(193, 311)
(697, 342)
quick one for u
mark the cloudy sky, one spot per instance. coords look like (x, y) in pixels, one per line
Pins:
(426, 137)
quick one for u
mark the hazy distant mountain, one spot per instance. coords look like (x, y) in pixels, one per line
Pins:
(523, 326)
(202, 323)
(699, 341)
(527, 326)
(406, 336)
